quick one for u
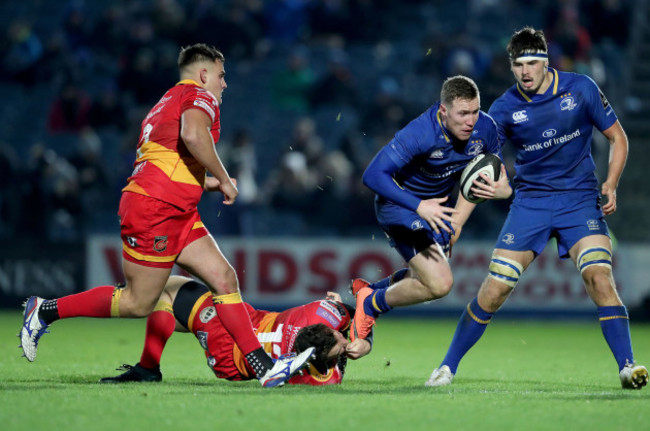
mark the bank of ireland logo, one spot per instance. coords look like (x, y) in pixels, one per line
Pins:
(417, 225)
(508, 238)
(438, 154)
(519, 116)
(568, 102)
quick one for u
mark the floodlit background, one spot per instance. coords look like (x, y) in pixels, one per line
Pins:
(315, 88)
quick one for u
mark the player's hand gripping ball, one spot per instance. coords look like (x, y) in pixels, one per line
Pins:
(489, 164)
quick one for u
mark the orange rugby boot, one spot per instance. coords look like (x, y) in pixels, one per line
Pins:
(362, 323)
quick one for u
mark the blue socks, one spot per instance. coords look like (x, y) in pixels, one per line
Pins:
(615, 324)
(391, 279)
(375, 303)
(471, 327)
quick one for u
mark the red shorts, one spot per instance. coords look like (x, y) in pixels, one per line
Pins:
(155, 232)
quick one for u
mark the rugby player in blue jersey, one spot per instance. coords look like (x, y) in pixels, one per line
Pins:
(412, 177)
(549, 116)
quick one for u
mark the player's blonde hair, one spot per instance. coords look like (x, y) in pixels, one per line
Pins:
(458, 87)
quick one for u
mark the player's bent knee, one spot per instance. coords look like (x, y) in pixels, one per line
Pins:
(222, 283)
(439, 287)
(506, 271)
(136, 310)
(594, 257)
(128, 306)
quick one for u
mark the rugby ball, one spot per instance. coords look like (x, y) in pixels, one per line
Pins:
(489, 164)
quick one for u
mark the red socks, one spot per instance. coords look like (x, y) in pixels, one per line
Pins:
(235, 318)
(160, 326)
(91, 303)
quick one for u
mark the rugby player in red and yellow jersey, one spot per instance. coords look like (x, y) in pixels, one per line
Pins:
(160, 223)
(185, 306)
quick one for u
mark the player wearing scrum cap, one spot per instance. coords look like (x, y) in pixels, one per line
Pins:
(549, 117)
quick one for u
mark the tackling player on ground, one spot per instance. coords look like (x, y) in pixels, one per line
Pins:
(186, 306)
(412, 177)
(160, 224)
(549, 117)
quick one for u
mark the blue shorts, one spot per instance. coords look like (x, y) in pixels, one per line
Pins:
(567, 217)
(407, 232)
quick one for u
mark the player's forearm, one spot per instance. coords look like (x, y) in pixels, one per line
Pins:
(464, 209)
(201, 146)
(378, 177)
(617, 157)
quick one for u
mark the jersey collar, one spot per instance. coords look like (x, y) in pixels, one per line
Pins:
(554, 86)
(188, 82)
(444, 132)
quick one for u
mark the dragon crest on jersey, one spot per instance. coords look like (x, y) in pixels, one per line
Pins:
(160, 244)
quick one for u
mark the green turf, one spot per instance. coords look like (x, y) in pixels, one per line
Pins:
(521, 376)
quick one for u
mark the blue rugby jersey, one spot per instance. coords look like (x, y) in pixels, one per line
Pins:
(430, 159)
(552, 133)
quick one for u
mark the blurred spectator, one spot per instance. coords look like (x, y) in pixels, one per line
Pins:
(8, 190)
(388, 112)
(107, 109)
(242, 165)
(93, 179)
(329, 211)
(241, 160)
(22, 51)
(497, 79)
(168, 18)
(608, 21)
(305, 140)
(285, 21)
(329, 19)
(69, 112)
(570, 39)
(142, 79)
(50, 199)
(236, 34)
(338, 86)
(77, 27)
(123, 53)
(291, 185)
(291, 86)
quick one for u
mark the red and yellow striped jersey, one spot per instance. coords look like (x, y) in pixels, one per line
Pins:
(164, 168)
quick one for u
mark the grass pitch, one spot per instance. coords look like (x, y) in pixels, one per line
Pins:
(520, 376)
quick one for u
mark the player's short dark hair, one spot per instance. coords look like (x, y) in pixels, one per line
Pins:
(526, 40)
(458, 87)
(198, 52)
(322, 339)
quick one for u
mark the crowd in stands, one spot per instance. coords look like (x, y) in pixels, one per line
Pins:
(315, 88)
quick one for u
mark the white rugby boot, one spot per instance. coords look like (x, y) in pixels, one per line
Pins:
(440, 377)
(633, 376)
